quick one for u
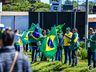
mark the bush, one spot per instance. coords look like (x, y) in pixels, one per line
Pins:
(82, 52)
(82, 44)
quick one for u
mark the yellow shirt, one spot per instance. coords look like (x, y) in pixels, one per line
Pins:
(66, 39)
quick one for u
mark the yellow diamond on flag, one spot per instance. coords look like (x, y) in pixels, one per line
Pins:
(49, 44)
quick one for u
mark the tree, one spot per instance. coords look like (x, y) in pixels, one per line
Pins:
(19, 6)
(34, 1)
(40, 6)
(42, 10)
(74, 4)
(27, 6)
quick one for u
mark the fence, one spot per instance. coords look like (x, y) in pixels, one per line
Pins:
(49, 19)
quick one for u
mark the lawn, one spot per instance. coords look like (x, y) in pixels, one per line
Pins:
(56, 66)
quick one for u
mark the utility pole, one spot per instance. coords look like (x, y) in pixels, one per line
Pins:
(86, 23)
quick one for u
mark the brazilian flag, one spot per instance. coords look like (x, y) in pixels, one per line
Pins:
(59, 28)
(34, 36)
(35, 26)
(24, 37)
(32, 28)
(31, 35)
(49, 44)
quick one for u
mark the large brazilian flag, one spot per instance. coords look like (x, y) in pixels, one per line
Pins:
(49, 44)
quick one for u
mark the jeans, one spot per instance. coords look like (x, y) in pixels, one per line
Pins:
(35, 53)
(90, 56)
(74, 57)
(17, 47)
(58, 55)
(68, 54)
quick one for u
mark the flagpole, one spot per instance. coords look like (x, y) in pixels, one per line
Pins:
(86, 24)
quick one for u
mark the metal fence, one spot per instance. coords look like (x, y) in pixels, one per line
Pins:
(49, 19)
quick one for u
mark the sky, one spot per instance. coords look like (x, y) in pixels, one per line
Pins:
(47, 1)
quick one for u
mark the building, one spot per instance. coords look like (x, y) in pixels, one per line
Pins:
(92, 20)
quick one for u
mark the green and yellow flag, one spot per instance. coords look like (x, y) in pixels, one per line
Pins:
(49, 44)
(59, 28)
(24, 38)
(32, 28)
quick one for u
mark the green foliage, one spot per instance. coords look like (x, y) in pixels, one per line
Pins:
(42, 10)
(40, 7)
(82, 52)
(34, 1)
(75, 4)
(24, 5)
(82, 44)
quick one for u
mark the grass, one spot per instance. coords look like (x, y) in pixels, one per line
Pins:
(56, 66)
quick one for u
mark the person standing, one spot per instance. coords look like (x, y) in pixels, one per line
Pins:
(16, 40)
(43, 58)
(10, 60)
(92, 48)
(34, 44)
(74, 47)
(67, 40)
(60, 46)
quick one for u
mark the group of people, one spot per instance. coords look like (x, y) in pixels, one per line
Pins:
(69, 42)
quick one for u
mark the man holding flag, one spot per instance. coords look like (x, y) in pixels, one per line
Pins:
(49, 44)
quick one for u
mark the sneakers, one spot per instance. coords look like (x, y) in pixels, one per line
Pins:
(89, 67)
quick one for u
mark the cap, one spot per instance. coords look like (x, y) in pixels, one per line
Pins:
(68, 28)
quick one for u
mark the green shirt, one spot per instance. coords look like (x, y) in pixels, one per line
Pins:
(74, 41)
(93, 43)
